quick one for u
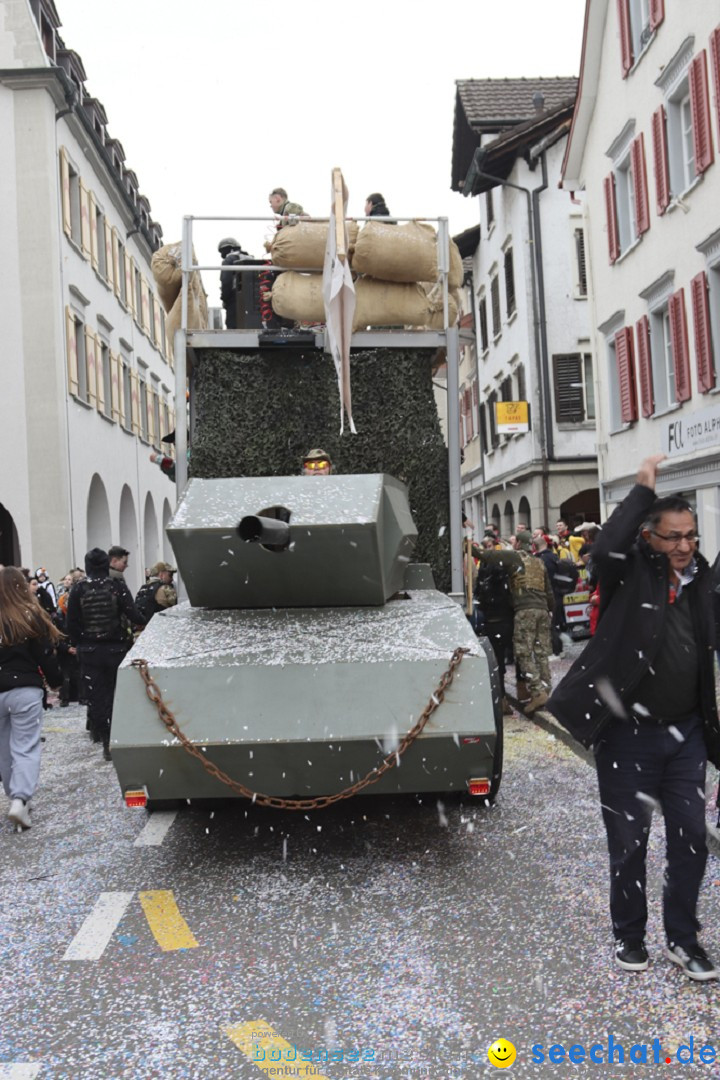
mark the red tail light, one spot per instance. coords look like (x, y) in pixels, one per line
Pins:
(479, 787)
(136, 797)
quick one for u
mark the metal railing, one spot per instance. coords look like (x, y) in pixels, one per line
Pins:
(450, 334)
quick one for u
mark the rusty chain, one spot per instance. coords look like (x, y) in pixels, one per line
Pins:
(318, 802)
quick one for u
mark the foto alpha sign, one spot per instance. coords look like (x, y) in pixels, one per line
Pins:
(512, 416)
(697, 431)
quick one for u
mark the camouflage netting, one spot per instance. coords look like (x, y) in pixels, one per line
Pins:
(257, 414)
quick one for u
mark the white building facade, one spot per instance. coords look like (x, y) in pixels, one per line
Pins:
(88, 385)
(643, 146)
(531, 310)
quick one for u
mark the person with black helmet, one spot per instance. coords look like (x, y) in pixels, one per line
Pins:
(98, 610)
(230, 283)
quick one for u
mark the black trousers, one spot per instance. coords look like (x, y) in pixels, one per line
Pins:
(99, 665)
(500, 634)
(637, 764)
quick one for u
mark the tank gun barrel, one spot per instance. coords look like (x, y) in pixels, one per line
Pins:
(254, 529)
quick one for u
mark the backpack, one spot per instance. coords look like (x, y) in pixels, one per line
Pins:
(100, 609)
(492, 589)
(145, 600)
(566, 576)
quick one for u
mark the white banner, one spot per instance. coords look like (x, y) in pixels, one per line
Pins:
(695, 431)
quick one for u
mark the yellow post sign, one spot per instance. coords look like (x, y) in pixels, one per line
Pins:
(512, 416)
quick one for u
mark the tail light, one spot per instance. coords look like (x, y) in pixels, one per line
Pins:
(136, 797)
(480, 786)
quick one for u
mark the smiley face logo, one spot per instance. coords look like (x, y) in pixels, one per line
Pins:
(501, 1054)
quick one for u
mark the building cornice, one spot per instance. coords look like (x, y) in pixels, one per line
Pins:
(657, 293)
(676, 68)
(710, 247)
(613, 324)
(619, 147)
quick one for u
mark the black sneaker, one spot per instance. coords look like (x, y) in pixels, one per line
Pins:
(694, 961)
(631, 955)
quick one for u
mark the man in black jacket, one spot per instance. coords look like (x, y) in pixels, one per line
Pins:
(95, 625)
(642, 694)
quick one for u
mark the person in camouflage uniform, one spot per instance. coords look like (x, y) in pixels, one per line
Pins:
(533, 602)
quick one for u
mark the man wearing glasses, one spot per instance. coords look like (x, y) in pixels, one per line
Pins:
(642, 695)
(316, 463)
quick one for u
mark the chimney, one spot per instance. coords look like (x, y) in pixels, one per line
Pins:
(538, 100)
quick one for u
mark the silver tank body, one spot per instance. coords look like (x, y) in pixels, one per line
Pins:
(296, 670)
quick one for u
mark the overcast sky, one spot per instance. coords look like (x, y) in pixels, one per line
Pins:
(218, 101)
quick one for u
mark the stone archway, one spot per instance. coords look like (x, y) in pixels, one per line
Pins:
(584, 504)
(151, 545)
(495, 516)
(9, 542)
(508, 519)
(98, 528)
(134, 575)
(524, 512)
(166, 515)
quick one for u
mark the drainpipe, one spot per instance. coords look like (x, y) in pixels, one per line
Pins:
(534, 233)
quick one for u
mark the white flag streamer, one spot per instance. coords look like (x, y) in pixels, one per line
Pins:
(339, 296)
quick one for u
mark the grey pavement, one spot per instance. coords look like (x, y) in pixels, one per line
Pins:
(408, 933)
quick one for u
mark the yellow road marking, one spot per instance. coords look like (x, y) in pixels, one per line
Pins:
(258, 1039)
(167, 924)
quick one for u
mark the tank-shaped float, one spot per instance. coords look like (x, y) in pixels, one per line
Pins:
(309, 647)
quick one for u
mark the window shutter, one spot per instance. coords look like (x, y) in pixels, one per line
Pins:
(85, 241)
(715, 61)
(475, 393)
(72, 360)
(509, 282)
(626, 374)
(611, 216)
(469, 414)
(102, 389)
(116, 262)
(660, 160)
(91, 366)
(134, 402)
(657, 13)
(569, 407)
(93, 232)
(65, 186)
(108, 253)
(145, 302)
(640, 184)
(626, 54)
(120, 369)
(679, 339)
(150, 410)
(130, 283)
(462, 423)
(115, 376)
(157, 315)
(581, 262)
(703, 333)
(700, 108)
(644, 359)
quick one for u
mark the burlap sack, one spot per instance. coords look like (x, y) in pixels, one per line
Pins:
(303, 245)
(403, 253)
(165, 265)
(435, 303)
(390, 303)
(298, 296)
(197, 309)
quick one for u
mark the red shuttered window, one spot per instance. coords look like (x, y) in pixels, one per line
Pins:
(679, 339)
(660, 160)
(715, 62)
(640, 185)
(626, 53)
(644, 363)
(700, 108)
(469, 414)
(657, 12)
(625, 355)
(611, 216)
(703, 332)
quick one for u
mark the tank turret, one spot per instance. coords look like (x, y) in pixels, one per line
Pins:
(293, 541)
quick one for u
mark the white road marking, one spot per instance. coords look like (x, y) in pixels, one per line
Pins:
(19, 1071)
(156, 829)
(93, 936)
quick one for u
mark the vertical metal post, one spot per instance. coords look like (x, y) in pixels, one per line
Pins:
(452, 341)
(180, 351)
